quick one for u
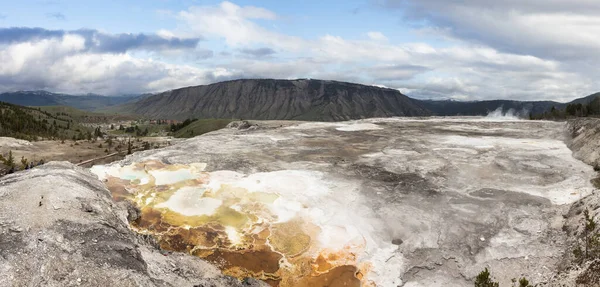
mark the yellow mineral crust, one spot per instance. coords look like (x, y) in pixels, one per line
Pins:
(236, 229)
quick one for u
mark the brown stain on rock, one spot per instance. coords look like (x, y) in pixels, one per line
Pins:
(341, 276)
(255, 261)
(277, 253)
(151, 220)
(289, 239)
(116, 186)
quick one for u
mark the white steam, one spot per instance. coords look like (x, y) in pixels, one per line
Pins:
(500, 115)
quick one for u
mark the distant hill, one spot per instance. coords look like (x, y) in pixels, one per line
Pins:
(585, 100)
(481, 108)
(83, 102)
(269, 99)
(477, 108)
(36, 123)
(82, 116)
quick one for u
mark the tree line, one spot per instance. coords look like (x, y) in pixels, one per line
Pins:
(571, 110)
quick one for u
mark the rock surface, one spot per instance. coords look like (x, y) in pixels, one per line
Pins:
(431, 201)
(9, 143)
(278, 100)
(60, 227)
(584, 141)
(462, 194)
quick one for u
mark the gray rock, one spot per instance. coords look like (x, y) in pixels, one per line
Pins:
(79, 236)
(133, 212)
(240, 125)
(461, 194)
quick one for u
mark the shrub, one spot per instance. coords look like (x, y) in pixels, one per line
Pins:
(484, 280)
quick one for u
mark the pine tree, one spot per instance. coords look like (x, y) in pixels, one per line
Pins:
(129, 146)
(484, 280)
(24, 163)
(591, 239)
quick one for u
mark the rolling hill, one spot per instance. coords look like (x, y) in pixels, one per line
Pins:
(36, 123)
(83, 102)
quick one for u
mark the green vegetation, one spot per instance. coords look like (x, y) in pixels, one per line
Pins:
(179, 126)
(129, 146)
(33, 123)
(8, 161)
(588, 242)
(522, 282)
(138, 130)
(84, 116)
(484, 279)
(197, 127)
(592, 109)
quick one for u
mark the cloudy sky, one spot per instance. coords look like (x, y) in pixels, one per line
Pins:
(438, 49)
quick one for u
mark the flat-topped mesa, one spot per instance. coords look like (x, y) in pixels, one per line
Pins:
(268, 99)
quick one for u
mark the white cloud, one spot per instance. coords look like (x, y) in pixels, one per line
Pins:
(536, 50)
(62, 64)
(165, 34)
(377, 36)
(234, 24)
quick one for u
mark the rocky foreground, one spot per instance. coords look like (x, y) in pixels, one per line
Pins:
(382, 202)
(60, 227)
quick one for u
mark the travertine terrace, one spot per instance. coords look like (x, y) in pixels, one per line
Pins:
(386, 202)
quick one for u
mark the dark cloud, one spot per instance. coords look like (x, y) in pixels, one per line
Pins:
(552, 29)
(119, 43)
(18, 34)
(203, 54)
(56, 16)
(259, 52)
(97, 41)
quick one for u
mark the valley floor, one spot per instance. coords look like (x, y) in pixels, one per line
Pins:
(74, 152)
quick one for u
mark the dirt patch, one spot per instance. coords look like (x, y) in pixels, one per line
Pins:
(58, 151)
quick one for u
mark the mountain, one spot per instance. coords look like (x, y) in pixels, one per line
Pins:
(269, 99)
(585, 100)
(88, 102)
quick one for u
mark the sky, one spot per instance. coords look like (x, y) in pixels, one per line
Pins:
(427, 49)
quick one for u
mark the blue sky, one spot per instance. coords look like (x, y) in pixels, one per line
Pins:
(468, 50)
(304, 19)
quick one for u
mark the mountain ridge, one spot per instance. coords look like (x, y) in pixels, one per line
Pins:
(298, 99)
(271, 99)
